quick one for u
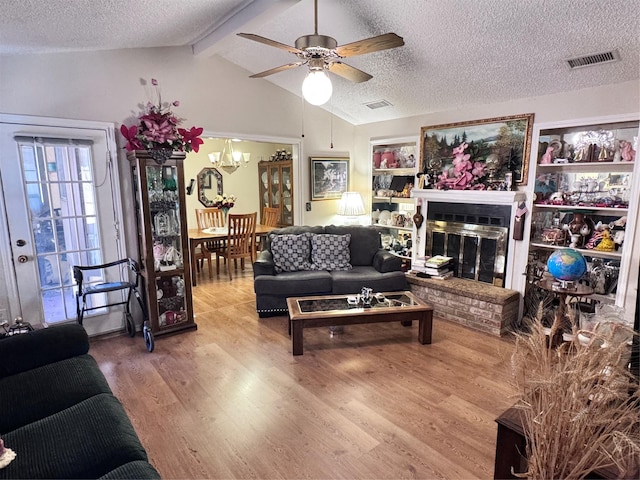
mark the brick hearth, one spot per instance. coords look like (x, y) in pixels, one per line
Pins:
(474, 304)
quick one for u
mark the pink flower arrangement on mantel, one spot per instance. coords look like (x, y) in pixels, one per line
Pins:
(158, 129)
(464, 175)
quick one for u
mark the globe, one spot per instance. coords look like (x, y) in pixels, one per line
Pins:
(567, 264)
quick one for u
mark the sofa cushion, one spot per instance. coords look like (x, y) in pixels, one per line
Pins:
(365, 241)
(293, 284)
(291, 253)
(353, 281)
(87, 440)
(34, 349)
(293, 230)
(43, 391)
(330, 252)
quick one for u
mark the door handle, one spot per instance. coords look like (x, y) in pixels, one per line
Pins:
(23, 259)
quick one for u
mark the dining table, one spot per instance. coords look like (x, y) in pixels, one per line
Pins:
(198, 236)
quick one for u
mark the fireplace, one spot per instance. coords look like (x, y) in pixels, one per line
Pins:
(475, 235)
(475, 228)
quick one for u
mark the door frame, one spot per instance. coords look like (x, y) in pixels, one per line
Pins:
(6, 259)
(298, 165)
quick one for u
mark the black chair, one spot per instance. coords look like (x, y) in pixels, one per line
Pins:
(85, 289)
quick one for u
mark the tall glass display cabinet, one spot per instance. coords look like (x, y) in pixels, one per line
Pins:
(163, 243)
(276, 189)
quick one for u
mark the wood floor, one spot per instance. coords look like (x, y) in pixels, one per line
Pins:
(228, 400)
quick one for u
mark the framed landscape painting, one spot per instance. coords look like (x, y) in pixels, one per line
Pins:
(506, 141)
(329, 177)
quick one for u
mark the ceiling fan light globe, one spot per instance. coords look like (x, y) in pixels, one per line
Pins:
(317, 88)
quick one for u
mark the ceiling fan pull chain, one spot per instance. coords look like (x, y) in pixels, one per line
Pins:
(302, 119)
(331, 125)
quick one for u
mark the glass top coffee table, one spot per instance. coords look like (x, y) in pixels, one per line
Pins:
(333, 310)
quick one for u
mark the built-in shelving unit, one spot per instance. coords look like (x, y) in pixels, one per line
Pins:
(585, 192)
(394, 163)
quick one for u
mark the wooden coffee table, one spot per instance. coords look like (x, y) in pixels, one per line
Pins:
(334, 310)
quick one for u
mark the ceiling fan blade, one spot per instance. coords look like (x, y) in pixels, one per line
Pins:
(281, 68)
(349, 72)
(368, 45)
(272, 43)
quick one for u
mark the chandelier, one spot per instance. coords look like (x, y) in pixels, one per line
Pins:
(229, 159)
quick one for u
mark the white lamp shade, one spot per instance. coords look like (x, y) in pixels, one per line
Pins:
(317, 88)
(351, 204)
(215, 157)
(237, 156)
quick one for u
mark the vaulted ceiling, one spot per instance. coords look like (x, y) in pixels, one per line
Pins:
(456, 53)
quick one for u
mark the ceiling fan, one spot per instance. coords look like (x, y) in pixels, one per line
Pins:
(321, 53)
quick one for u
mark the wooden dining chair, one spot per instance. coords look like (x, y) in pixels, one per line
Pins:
(270, 216)
(239, 243)
(209, 218)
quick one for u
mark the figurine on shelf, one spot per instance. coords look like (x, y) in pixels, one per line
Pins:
(627, 152)
(575, 240)
(547, 157)
(606, 243)
(618, 238)
(581, 226)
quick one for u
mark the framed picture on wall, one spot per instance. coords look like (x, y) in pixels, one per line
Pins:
(491, 146)
(329, 177)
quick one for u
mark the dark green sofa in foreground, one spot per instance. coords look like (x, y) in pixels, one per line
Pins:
(58, 414)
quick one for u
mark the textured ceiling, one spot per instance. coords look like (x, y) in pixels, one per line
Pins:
(456, 53)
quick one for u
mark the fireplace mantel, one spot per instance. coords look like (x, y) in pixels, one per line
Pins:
(470, 196)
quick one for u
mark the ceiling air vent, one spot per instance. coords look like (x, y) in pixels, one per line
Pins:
(378, 104)
(595, 59)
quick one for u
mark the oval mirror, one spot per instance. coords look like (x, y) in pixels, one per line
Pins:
(209, 186)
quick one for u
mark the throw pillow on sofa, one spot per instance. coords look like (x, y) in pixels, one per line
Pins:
(330, 252)
(291, 252)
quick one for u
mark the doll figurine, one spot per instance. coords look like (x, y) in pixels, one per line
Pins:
(546, 158)
(627, 152)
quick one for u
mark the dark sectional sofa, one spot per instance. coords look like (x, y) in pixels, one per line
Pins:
(372, 267)
(58, 414)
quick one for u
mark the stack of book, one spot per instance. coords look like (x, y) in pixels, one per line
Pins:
(439, 267)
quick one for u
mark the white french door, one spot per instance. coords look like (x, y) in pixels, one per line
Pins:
(61, 197)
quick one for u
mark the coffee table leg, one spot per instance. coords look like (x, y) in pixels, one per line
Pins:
(296, 338)
(425, 327)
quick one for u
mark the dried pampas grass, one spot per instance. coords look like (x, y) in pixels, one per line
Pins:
(580, 405)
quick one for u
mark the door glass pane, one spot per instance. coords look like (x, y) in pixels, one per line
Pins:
(62, 203)
(165, 214)
(43, 235)
(275, 187)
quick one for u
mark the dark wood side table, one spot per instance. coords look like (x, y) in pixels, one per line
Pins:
(510, 445)
(578, 290)
(511, 453)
